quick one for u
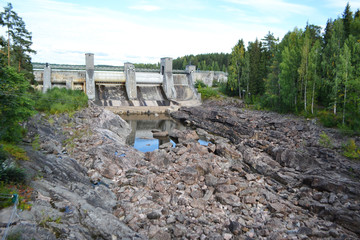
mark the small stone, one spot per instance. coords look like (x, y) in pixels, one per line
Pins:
(161, 235)
(226, 188)
(332, 198)
(305, 231)
(235, 227)
(334, 233)
(250, 199)
(227, 236)
(153, 215)
(228, 199)
(180, 218)
(170, 220)
(179, 230)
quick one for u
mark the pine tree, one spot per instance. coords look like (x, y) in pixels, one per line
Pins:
(347, 20)
(19, 42)
(257, 68)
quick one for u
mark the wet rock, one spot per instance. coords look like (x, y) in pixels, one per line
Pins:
(160, 134)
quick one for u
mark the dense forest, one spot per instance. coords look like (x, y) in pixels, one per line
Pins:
(307, 71)
(209, 61)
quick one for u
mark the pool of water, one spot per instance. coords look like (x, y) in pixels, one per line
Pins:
(141, 136)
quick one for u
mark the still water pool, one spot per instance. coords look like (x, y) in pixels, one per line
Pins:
(141, 137)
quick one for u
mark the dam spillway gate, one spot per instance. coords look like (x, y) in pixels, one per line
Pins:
(125, 86)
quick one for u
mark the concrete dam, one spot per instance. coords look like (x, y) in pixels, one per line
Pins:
(127, 86)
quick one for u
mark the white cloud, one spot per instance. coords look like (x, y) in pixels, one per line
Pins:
(147, 8)
(64, 32)
(340, 4)
(274, 6)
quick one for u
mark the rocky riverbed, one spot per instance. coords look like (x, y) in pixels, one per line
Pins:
(263, 176)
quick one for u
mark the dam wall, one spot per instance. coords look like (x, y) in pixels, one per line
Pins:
(127, 86)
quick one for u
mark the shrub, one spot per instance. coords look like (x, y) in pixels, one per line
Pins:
(9, 172)
(199, 83)
(60, 100)
(208, 92)
(215, 83)
(325, 140)
(351, 150)
(328, 119)
(17, 152)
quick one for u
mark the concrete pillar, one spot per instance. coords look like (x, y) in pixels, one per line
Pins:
(190, 73)
(190, 70)
(47, 78)
(130, 81)
(168, 80)
(90, 81)
(69, 83)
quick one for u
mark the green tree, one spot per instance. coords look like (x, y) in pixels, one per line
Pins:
(347, 20)
(19, 41)
(257, 68)
(304, 68)
(289, 76)
(16, 104)
(235, 68)
(313, 69)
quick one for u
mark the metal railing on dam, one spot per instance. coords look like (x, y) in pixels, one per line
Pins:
(41, 66)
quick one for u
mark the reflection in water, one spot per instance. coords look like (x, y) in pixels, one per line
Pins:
(141, 136)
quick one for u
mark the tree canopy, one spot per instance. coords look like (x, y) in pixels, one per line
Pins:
(304, 72)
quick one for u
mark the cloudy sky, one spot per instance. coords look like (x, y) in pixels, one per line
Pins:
(143, 31)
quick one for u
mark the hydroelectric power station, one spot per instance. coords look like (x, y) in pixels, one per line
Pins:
(127, 86)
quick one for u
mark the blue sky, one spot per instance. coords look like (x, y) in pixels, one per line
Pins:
(119, 31)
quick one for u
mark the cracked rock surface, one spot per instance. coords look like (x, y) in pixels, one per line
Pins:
(263, 176)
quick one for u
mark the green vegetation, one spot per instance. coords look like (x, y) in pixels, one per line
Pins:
(325, 140)
(15, 151)
(208, 92)
(351, 150)
(306, 71)
(18, 102)
(36, 143)
(60, 100)
(199, 84)
(210, 61)
(147, 65)
(9, 172)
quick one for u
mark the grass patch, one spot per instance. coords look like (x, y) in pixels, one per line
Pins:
(60, 100)
(36, 143)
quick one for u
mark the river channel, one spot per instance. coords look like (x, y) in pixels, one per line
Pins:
(141, 136)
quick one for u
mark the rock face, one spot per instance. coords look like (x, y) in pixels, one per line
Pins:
(286, 151)
(69, 200)
(257, 179)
